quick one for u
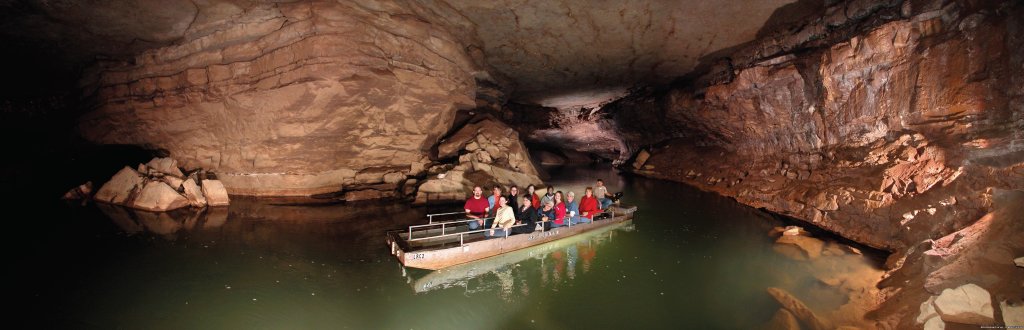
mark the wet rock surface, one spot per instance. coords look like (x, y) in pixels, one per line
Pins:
(896, 134)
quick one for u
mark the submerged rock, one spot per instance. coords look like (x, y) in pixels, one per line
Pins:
(120, 188)
(782, 320)
(810, 246)
(967, 304)
(799, 309)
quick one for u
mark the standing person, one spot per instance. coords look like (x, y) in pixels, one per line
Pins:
(513, 200)
(588, 205)
(504, 218)
(547, 214)
(549, 196)
(476, 208)
(572, 208)
(531, 192)
(529, 217)
(601, 192)
(559, 210)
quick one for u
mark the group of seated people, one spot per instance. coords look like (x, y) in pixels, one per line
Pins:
(554, 209)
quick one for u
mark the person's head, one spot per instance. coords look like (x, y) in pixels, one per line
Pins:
(513, 190)
(551, 190)
(589, 192)
(531, 189)
(558, 197)
(502, 201)
(548, 205)
(477, 191)
(496, 190)
(569, 196)
(527, 201)
(600, 182)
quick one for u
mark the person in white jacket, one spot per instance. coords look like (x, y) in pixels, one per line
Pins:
(504, 218)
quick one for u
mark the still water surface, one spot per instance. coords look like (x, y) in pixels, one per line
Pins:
(690, 260)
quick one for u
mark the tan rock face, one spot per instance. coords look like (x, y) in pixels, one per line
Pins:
(489, 153)
(120, 188)
(215, 193)
(293, 98)
(968, 304)
(888, 137)
(158, 197)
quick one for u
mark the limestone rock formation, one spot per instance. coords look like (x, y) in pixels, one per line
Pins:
(967, 304)
(782, 320)
(1013, 312)
(810, 246)
(1019, 262)
(193, 193)
(215, 193)
(121, 188)
(488, 152)
(887, 136)
(158, 196)
(293, 98)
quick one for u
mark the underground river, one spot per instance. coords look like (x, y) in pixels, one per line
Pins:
(690, 260)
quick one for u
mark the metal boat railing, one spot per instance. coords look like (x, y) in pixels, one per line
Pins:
(446, 225)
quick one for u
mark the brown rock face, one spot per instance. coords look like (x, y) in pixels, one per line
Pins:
(888, 137)
(293, 98)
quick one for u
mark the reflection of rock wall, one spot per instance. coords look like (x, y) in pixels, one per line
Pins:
(293, 98)
(889, 137)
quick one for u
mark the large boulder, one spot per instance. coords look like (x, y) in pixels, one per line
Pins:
(165, 165)
(967, 304)
(157, 196)
(120, 188)
(1013, 313)
(215, 193)
(488, 152)
(194, 193)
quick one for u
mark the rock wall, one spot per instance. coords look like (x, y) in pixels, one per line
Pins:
(894, 135)
(295, 98)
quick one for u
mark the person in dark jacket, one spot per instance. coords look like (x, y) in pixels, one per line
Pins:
(529, 217)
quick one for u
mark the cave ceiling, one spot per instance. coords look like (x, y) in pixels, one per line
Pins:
(561, 53)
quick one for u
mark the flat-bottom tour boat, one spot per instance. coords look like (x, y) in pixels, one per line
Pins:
(440, 244)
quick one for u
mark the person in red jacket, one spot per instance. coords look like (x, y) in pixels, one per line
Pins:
(531, 192)
(589, 205)
(559, 210)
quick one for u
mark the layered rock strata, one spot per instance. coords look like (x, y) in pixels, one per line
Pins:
(899, 133)
(294, 98)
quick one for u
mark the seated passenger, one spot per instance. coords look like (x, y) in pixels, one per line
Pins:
(559, 211)
(504, 218)
(603, 197)
(531, 192)
(588, 205)
(513, 200)
(572, 208)
(547, 214)
(529, 217)
(549, 196)
(476, 208)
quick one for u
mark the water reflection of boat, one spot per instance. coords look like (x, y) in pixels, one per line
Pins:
(459, 275)
(438, 245)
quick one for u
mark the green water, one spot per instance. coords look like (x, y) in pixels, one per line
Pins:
(689, 260)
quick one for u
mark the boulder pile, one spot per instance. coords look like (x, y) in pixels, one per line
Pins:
(160, 185)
